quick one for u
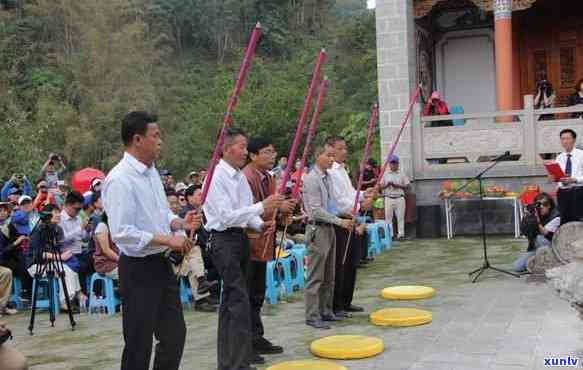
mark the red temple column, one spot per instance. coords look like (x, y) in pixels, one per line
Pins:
(503, 46)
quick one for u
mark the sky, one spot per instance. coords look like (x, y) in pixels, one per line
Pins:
(371, 4)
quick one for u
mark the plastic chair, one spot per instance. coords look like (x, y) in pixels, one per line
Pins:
(186, 295)
(42, 300)
(374, 240)
(274, 282)
(299, 280)
(364, 219)
(109, 301)
(385, 236)
(15, 294)
(457, 109)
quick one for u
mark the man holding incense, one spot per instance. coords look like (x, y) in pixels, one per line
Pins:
(344, 194)
(262, 183)
(230, 210)
(321, 238)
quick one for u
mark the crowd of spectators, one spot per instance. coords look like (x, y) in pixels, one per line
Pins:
(82, 235)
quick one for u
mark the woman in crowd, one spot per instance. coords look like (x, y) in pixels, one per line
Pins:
(545, 98)
(106, 256)
(577, 98)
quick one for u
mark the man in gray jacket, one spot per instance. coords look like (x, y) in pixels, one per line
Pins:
(321, 210)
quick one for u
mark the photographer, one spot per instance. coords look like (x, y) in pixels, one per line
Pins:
(46, 230)
(17, 182)
(49, 171)
(544, 99)
(10, 359)
(539, 225)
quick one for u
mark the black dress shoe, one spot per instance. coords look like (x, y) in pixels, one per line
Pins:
(331, 318)
(256, 359)
(353, 308)
(342, 314)
(264, 347)
(203, 305)
(317, 324)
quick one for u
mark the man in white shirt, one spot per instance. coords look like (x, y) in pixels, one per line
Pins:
(569, 195)
(344, 194)
(394, 185)
(142, 225)
(229, 211)
(74, 231)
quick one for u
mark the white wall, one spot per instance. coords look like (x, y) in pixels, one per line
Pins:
(465, 70)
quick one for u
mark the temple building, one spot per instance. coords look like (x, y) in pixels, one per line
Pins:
(486, 58)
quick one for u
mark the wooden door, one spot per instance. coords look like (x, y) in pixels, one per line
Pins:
(551, 47)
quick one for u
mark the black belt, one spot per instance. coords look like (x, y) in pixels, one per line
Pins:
(230, 230)
(148, 257)
(318, 223)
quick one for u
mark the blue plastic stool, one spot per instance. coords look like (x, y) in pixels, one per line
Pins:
(299, 280)
(363, 219)
(109, 301)
(374, 240)
(274, 282)
(15, 294)
(385, 236)
(186, 295)
(42, 300)
(271, 283)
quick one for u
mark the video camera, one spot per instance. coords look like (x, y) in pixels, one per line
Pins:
(543, 85)
(534, 207)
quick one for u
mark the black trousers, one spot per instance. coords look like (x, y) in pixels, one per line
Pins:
(570, 204)
(256, 286)
(345, 278)
(151, 306)
(230, 255)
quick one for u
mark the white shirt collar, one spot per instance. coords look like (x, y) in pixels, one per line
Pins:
(140, 167)
(231, 171)
(319, 171)
(65, 216)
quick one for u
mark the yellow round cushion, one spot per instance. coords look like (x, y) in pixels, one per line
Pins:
(400, 316)
(307, 365)
(408, 292)
(347, 347)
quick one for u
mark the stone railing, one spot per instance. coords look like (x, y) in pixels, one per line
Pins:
(461, 150)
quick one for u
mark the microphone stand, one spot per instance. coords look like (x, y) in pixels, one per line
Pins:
(486, 264)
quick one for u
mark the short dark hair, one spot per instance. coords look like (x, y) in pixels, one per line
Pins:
(257, 143)
(95, 197)
(170, 193)
(74, 197)
(191, 190)
(568, 131)
(545, 197)
(321, 149)
(135, 123)
(332, 140)
(231, 133)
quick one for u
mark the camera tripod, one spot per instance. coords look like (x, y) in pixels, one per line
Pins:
(49, 265)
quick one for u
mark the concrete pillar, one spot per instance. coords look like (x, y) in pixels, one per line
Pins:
(397, 66)
(503, 45)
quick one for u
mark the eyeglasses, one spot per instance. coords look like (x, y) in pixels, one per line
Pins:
(269, 153)
(182, 199)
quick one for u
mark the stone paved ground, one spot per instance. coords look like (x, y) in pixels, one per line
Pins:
(500, 323)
